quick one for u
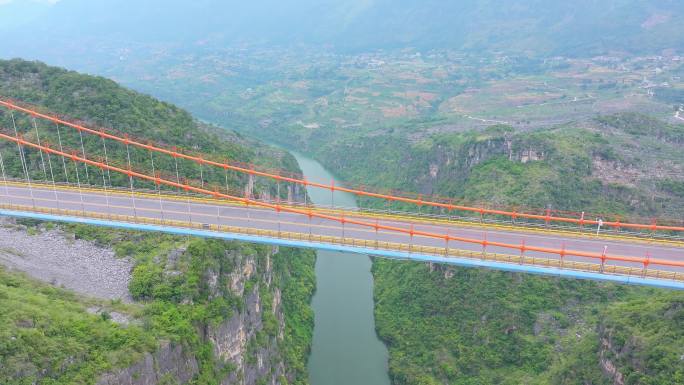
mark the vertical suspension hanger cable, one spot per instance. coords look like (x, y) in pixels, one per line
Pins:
(278, 208)
(61, 149)
(109, 175)
(130, 178)
(104, 184)
(78, 183)
(225, 169)
(4, 177)
(160, 198)
(175, 160)
(106, 157)
(279, 221)
(178, 180)
(247, 203)
(42, 159)
(23, 160)
(152, 161)
(187, 195)
(52, 175)
(154, 173)
(104, 146)
(85, 165)
(201, 174)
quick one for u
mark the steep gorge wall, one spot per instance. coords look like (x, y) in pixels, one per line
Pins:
(241, 341)
(170, 364)
(246, 347)
(426, 164)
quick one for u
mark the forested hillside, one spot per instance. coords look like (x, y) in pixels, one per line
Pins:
(627, 165)
(468, 326)
(522, 104)
(194, 297)
(102, 103)
(461, 326)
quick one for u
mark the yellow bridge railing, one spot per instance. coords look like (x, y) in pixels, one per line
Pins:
(362, 213)
(364, 243)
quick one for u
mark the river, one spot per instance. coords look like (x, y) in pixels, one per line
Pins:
(346, 349)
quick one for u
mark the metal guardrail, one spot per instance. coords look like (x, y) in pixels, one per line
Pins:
(367, 244)
(399, 216)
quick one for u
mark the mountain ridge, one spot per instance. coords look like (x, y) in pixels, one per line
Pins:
(580, 28)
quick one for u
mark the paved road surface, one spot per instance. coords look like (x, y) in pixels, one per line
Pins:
(267, 219)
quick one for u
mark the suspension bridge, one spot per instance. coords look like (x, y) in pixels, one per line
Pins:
(58, 169)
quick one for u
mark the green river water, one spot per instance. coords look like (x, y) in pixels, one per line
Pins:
(346, 349)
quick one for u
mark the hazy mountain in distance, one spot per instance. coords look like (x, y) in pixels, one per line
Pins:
(16, 13)
(580, 27)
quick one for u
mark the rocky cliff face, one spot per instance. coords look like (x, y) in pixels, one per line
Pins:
(170, 364)
(245, 345)
(241, 341)
(618, 356)
(438, 165)
(455, 162)
(444, 162)
(607, 365)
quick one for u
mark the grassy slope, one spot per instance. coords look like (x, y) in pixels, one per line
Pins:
(45, 332)
(175, 306)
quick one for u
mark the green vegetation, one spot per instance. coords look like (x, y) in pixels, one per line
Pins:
(182, 285)
(465, 326)
(362, 115)
(176, 301)
(180, 298)
(103, 103)
(565, 168)
(295, 273)
(306, 98)
(644, 126)
(647, 338)
(46, 333)
(670, 95)
(675, 187)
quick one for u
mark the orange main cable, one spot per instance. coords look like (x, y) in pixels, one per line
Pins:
(419, 202)
(484, 243)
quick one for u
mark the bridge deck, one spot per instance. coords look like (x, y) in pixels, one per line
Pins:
(284, 228)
